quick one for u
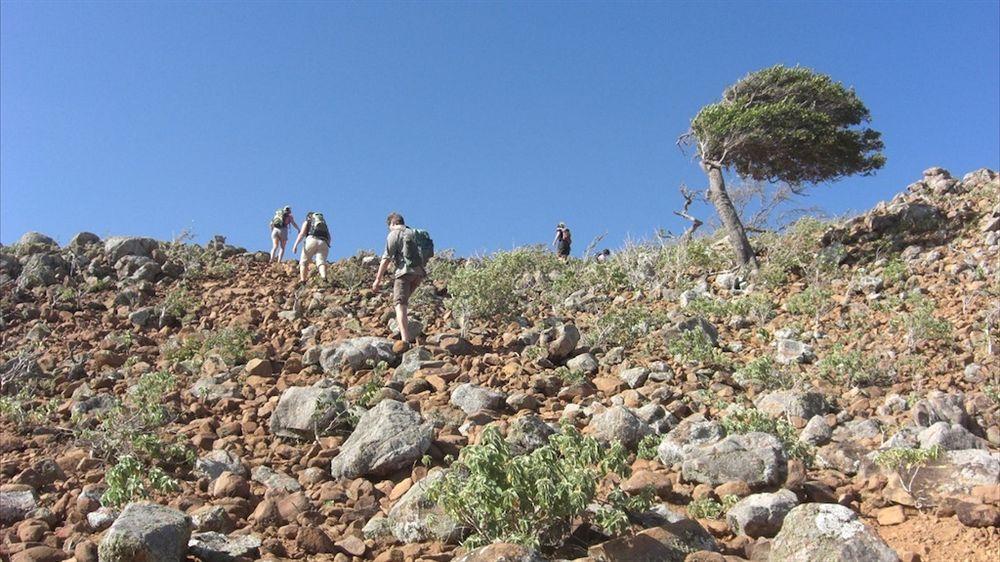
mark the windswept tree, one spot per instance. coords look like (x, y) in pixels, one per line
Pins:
(781, 124)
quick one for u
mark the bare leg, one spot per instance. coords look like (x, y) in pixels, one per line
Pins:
(322, 270)
(274, 248)
(303, 269)
(403, 322)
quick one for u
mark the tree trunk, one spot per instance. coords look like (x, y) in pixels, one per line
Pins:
(719, 197)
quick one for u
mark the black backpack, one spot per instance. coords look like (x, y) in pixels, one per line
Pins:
(318, 227)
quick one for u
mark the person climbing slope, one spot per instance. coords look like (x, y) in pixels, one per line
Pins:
(279, 232)
(408, 249)
(562, 241)
(316, 233)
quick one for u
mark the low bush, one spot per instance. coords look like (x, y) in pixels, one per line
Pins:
(762, 374)
(624, 326)
(708, 508)
(740, 420)
(695, 346)
(533, 499)
(852, 368)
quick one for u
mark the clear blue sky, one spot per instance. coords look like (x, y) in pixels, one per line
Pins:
(485, 123)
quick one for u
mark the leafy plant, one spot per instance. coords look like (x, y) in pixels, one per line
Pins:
(812, 302)
(906, 462)
(532, 499)
(740, 420)
(708, 508)
(130, 480)
(624, 326)
(852, 368)
(231, 344)
(648, 446)
(695, 346)
(895, 271)
(920, 324)
(181, 304)
(762, 373)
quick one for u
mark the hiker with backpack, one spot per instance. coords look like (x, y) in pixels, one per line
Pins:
(317, 244)
(279, 232)
(562, 241)
(408, 249)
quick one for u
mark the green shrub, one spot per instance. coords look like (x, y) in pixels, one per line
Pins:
(26, 409)
(181, 304)
(895, 271)
(812, 302)
(533, 499)
(740, 420)
(757, 307)
(624, 326)
(919, 323)
(695, 346)
(648, 447)
(762, 374)
(851, 368)
(130, 480)
(231, 344)
(351, 274)
(708, 508)
(495, 288)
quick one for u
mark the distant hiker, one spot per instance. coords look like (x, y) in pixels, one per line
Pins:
(562, 241)
(408, 249)
(604, 256)
(279, 232)
(317, 247)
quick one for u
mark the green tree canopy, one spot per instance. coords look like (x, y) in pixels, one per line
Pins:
(788, 124)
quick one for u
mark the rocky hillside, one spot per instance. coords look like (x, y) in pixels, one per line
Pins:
(165, 401)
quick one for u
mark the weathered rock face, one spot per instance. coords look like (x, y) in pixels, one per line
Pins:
(41, 270)
(139, 268)
(818, 531)
(955, 473)
(938, 407)
(755, 458)
(794, 403)
(32, 242)
(472, 398)
(10, 268)
(305, 411)
(561, 341)
(950, 437)
(118, 246)
(16, 502)
(584, 363)
(415, 518)
(527, 433)
(788, 351)
(502, 552)
(619, 424)
(761, 515)
(147, 532)
(671, 542)
(691, 433)
(83, 240)
(357, 353)
(411, 362)
(388, 437)
(214, 463)
(216, 547)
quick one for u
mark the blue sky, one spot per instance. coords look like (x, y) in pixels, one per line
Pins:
(485, 123)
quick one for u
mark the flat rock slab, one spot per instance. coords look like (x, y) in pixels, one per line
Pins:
(146, 532)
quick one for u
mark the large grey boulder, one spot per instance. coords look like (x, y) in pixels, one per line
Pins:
(139, 268)
(761, 515)
(954, 473)
(691, 433)
(788, 351)
(416, 518)
(16, 502)
(816, 432)
(949, 437)
(472, 398)
(619, 424)
(146, 532)
(388, 437)
(413, 360)
(10, 268)
(527, 433)
(83, 240)
(305, 411)
(213, 463)
(634, 377)
(42, 270)
(216, 547)
(561, 341)
(794, 403)
(357, 353)
(584, 363)
(823, 531)
(938, 406)
(118, 246)
(755, 458)
(31, 242)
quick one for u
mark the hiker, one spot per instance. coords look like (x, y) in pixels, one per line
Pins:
(408, 250)
(279, 232)
(317, 246)
(604, 256)
(562, 241)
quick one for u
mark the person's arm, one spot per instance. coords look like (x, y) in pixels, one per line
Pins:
(384, 265)
(556, 240)
(298, 239)
(295, 224)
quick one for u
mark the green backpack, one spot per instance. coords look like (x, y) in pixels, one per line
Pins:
(418, 248)
(319, 228)
(279, 219)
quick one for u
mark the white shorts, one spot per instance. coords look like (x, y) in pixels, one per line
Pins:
(279, 234)
(315, 250)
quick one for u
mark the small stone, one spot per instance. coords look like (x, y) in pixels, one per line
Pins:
(891, 515)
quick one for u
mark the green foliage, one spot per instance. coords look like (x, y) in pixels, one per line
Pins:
(532, 499)
(570, 376)
(919, 323)
(181, 304)
(231, 344)
(647, 447)
(708, 508)
(495, 288)
(895, 271)
(442, 267)
(906, 458)
(695, 346)
(624, 326)
(852, 368)
(762, 374)
(812, 302)
(351, 274)
(130, 480)
(788, 124)
(797, 251)
(757, 307)
(24, 409)
(198, 262)
(740, 420)
(992, 391)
